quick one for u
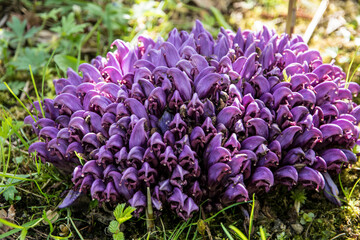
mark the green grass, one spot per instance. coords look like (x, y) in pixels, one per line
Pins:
(348, 77)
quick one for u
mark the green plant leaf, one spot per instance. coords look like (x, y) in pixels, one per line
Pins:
(119, 210)
(69, 26)
(115, 18)
(114, 226)
(119, 236)
(17, 33)
(52, 14)
(17, 27)
(9, 193)
(95, 10)
(18, 160)
(299, 195)
(31, 32)
(64, 62)
(123, 214)
(30, 56)
(307, 217)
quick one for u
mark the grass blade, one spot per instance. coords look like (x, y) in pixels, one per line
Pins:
(188, 233)
(36, 92)
(73, 224)
(342, 188)
(252, 215)
(10, 224)
(12, 176)
(262, 233)
(174, 231)
(9, 233)
(179, 231)
(23, 234)
(16, 130)
(222, 210)
(220, 18)
(163, 228)
(353, 188)
(352, 75)
(238, 232)
(349, 68)
(33, 223)
(18, 99)
(226, 232)
(26, 225)
(88, 36)
(43, 77)
(6, 162)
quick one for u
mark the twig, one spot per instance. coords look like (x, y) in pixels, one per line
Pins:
(315, 21)
(307, 229)
(24, 190)
(337, 236)
(291, 18)
(45, 184)
(15, 146)
(44, 235)
(4, 20)
(81, 229)
(25, 90)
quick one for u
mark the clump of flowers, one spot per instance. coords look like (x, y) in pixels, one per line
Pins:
(195, 118)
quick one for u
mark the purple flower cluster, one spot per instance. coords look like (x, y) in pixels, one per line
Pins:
(195, 118)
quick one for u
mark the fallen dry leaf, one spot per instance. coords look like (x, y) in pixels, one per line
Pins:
(11, 213)
(4, 228)
(52, 216)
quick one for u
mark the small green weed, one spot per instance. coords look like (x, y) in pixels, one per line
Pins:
(306, 217)
(122, 215)
(299, 197)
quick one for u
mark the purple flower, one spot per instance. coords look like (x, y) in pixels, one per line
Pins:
(197, 118)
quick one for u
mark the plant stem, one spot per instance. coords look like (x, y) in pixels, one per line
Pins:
(149, 212)
(17, 49)
(316, 19)
(291, 18)
(73, 224)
